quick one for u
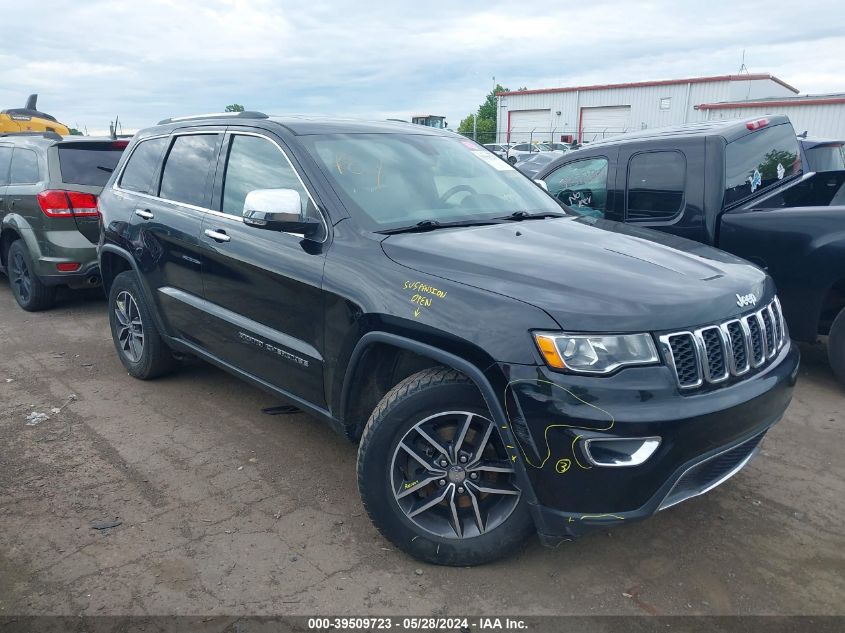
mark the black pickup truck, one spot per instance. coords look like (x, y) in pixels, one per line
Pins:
(739, 185)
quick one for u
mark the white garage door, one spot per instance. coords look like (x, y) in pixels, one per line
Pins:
(523, 122)
(598, 123)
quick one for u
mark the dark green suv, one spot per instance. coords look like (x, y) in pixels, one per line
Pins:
(49, 223)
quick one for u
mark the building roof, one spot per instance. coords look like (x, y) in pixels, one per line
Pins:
(829, 99)
(647, 84)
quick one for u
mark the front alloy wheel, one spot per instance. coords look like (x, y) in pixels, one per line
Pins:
(435, 476)
(451, 475)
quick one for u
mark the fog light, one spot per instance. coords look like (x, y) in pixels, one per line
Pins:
(620, 451)
(68, 267)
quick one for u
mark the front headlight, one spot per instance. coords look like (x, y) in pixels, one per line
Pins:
(596, 353)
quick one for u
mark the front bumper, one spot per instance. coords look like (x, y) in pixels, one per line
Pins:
(705, 437)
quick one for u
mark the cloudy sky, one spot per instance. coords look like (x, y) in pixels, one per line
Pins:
(148, 59)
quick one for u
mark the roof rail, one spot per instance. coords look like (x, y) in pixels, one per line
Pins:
(53, 136)
(246, 114)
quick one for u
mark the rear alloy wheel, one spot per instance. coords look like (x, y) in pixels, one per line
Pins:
(130, 333)
(139, 345)
(434, 474)
(30, 293)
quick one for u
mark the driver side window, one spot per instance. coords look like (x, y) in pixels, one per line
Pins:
(256, 163)
(581, 185)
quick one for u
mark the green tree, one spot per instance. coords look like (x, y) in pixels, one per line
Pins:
(485, 126)
(74, 132)
(235, 107)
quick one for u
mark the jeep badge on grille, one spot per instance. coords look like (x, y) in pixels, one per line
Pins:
(746, 300)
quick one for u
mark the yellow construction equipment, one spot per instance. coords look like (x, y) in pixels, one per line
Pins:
(29, 119)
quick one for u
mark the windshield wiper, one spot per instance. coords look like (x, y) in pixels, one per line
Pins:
(431, 225)
(525, 215)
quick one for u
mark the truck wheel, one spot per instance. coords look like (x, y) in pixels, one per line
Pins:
(434, 474)
(139, 345)
(30, 293)
(836, 346)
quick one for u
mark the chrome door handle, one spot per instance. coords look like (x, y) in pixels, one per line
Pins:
(143, 213)
(219, 236)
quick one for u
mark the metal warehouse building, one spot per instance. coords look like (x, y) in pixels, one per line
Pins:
(587, 113)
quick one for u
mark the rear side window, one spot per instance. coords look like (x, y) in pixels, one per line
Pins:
(138, 173)
(186, 168)
(89, 163)
(5, 161)
(656, 185)
(24, 167)
(760, 159)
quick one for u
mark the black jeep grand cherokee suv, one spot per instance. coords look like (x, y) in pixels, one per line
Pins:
(507, 367)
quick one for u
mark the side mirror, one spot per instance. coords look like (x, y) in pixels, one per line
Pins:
(278, 210)
(542, 183)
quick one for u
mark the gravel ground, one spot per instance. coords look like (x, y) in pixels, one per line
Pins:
(220, 509)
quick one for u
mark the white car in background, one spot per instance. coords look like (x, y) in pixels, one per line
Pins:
(499, 149)
(519, 151)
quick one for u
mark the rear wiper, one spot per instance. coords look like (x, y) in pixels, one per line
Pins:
(525, 215)
(431, 225)
(105, 169)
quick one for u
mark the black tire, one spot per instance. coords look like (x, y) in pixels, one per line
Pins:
(30, 293)
(512, 160)
(426, 394)
(150, 359)
(836, 346)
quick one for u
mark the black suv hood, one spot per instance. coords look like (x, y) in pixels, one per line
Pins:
(589, 275)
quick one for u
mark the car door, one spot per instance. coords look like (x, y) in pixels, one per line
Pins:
(166, 224)
(263, 287)
(662, 186)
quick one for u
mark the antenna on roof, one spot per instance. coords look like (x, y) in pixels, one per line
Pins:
(742, 66)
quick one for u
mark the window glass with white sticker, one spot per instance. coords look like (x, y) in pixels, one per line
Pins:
(760, 159)
(392, 181)
(581, 185)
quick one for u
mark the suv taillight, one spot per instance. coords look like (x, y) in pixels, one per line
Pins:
(65, 204)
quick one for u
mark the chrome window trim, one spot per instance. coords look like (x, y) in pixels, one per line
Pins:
(214, 212)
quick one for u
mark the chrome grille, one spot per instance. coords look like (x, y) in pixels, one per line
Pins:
(714, 353)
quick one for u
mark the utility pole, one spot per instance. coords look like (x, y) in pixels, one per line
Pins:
(474, 127)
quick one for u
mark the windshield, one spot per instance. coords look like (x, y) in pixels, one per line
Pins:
(395, 180)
